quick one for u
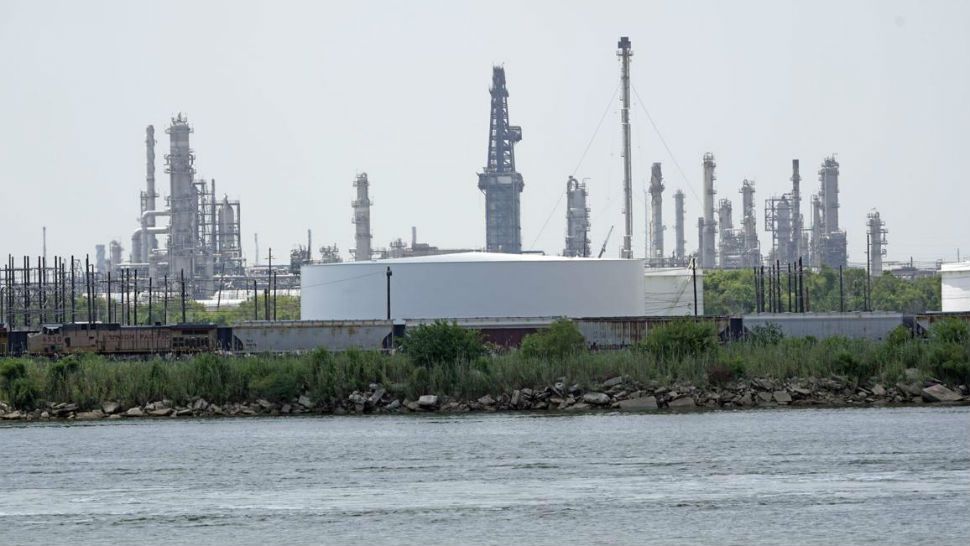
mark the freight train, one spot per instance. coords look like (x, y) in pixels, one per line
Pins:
(297, 336)
(603, 333)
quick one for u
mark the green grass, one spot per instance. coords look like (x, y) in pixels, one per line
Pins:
(323, 376)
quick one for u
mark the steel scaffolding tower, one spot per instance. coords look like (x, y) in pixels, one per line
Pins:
(500, 182)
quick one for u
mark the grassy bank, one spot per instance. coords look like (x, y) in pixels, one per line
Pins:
(683, 354)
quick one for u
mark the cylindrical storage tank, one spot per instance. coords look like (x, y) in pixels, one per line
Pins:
(473, 285)
(670, 291)
(955, 287)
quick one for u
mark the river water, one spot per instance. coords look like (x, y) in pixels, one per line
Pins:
(746, 477)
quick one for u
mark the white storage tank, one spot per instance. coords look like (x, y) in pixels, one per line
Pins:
(669, 291)
(473, 285)
(955, 287)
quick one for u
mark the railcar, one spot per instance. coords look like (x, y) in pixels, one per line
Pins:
(115, 339)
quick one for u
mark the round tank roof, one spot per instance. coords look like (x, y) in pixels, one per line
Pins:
(471, 257)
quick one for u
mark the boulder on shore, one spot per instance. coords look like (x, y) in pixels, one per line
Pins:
(596, 398)
(428, 401)
(782, 397)
(939, 393)
(110, 407)
(135, 412)
(645, 403)
(682, 403)
(613, 381)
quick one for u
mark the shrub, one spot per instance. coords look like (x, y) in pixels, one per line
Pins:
(560, 339)
(769, 334)
(726, 371)
(955, 373)
(899, 336)
(441, 342)
(847, 363)
(59, 377)
(950, 330)
(949, 362)
(680, 338)
(20, 391)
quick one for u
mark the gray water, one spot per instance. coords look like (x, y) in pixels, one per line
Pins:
(762, 477)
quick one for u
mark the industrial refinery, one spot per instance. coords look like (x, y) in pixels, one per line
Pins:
(190, 240)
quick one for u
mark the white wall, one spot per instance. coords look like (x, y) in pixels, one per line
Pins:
(670, 292)
(955, 287)
(468, 288)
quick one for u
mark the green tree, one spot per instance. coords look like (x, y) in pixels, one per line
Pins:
(560, 339)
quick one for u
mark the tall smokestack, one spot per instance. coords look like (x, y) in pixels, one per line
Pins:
(624, 54)
(680, 242)
(877, 243)
(362, 219)
(797, 223)
(656, 216)
(709, 230)
(148, 240)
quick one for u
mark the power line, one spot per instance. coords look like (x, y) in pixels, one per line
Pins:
(664, 142)
(578, 165)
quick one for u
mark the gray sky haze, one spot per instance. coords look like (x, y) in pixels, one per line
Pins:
(289, 100)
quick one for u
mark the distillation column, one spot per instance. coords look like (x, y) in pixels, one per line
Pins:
(797, 223)
(656, 258)
(183, 226)
(361, 205)
(728, 253)
(149, 243)
(831, 246)
(680, 242)
(577, 219)
(709, 229)
(624, 54)
(877, 242)
(749, 225)
(829, 179)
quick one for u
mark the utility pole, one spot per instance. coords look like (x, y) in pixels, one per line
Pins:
(868, 262)
(182, 283)
(624, 53)
(388, 293)
(73, 294)
(693, 275)
(789, 287)
(149, 300)
(841, 292)
(757, 301)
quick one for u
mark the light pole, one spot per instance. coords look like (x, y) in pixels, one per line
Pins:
(388, 293)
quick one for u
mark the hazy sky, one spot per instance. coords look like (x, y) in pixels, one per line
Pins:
(289, 100)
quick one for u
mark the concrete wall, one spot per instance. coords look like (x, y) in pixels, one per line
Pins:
(859, 325)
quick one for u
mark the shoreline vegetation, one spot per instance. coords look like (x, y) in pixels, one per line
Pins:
(444, 368)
